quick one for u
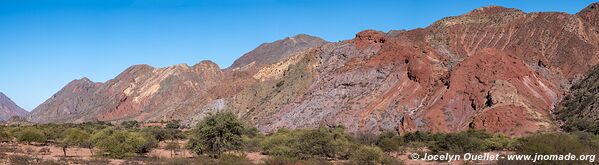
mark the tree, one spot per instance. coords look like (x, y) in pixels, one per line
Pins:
(29, 135)
(147, 145)
(119, 144)
(367, 155)
(157, 133)
(172, 146)
(130, 124)
(305, 144)
(216, 134)
(173, 124)
(74, 137)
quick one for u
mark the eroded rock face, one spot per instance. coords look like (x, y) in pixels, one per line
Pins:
(8, 108)
(494, 68)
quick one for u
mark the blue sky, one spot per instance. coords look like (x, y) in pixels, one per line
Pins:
(44, 44)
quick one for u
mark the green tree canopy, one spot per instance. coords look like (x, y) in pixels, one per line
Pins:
(120, 143)
(30, 135)
(216, 134)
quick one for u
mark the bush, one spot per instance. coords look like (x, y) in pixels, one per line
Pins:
(130, 124)
(119, 144)
(390, 142)
(470, 141)
(282, 144)
(317, 142)
(499, 142)
(216, 134)
(459, 143)
(158, 133)
(148, 144)
(367, 138)
(5, 135)
(231, 159)
(30, 135)
(303, 144)
(367, 155)
(173, 124)
(552, 144)
(251, 144)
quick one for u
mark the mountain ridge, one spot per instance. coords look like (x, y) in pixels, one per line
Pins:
(9, 108)
(493, 68)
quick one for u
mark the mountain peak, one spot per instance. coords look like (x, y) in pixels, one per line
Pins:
(8, 108)
(272, 52)
(490, 10)
(590, 8)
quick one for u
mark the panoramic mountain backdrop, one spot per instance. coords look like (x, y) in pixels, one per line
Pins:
(494, 68)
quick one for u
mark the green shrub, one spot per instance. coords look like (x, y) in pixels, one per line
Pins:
(158, 133)
(231, 159)
(119, 144)
(499, 142)
(130, 124)
(5, 135)
(148, 144)
(324, 142)
(216, 134)
(367, 138)
(303, 144)
(470, 141)
(390, 142)
(29, 135)
(552, 144)
(283, 144)
(367, 155)
(251, 144)
(173, 124)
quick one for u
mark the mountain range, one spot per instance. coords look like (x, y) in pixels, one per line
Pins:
(494, 68)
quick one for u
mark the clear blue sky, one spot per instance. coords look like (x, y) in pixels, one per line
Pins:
(44, 44)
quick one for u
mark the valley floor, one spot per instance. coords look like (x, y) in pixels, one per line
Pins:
(16, 153)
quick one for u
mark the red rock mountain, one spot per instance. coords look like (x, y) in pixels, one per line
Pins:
(8, 108)
(493, 68)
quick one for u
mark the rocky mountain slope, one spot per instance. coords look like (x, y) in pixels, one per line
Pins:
(269, 53)
(493, 68)
(579, 111)
(8, 108)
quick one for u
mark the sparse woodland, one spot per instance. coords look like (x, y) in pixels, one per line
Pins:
(223, 139)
